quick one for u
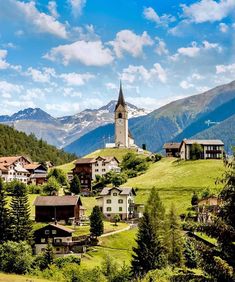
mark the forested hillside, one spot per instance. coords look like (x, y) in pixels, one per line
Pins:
(13, 142)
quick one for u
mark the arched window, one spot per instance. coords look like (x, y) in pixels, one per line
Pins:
(119, 115)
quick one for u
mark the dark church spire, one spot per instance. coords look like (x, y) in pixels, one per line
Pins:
(121, 100)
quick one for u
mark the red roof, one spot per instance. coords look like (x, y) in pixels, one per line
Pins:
(57, 201)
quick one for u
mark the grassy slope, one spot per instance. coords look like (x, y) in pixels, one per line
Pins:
(19, 278)
(117, 247)
(67, 167)
(177, 181)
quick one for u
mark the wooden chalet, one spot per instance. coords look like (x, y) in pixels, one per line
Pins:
(172, 149)
(38, 173)
(58, 208)
(58, 235)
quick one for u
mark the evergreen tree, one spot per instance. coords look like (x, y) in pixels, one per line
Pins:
(96, 222)
(149, 253)
(75, 185)
(48, 255)
(194, 200)
(175, 240)
(20, 223)
(196, 151)
(190, 254)
(59, 175)
(4, 214)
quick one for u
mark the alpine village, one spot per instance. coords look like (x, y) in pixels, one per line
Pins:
(131, 177)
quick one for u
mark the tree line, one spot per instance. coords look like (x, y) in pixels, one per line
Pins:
(14, 143)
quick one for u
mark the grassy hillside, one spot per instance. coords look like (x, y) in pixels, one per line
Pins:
(13, 142)
(118, 153)
(19, 278)
(67, 167)
(176, 181)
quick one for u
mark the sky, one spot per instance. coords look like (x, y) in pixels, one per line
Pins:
(66, 56)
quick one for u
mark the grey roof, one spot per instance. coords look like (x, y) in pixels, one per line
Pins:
(171, 145)
(85, 161)
(123, 191)
(203, 142)
(57, 201)
(121, 100)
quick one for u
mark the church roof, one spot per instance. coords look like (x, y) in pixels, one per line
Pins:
(121, 100)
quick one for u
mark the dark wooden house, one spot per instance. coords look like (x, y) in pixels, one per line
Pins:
(58, 208)
(83, 169)
(58, 235)
(38, 173)
(172, 149)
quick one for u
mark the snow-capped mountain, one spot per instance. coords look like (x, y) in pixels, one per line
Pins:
(64, 130)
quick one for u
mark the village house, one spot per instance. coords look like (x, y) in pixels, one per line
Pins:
(87, 169)
(207, 207)
(38, 173)
(212, 149)
(12, 168)
(58, 208)
(58, 235)
(172, 149)
(113, 201)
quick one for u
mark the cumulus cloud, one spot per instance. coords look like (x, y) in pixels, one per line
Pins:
(208, 10)
(76, 78)
(133, 73)
(223, 27)
(33, 93)
(194, 50)
(88, 53)
(77, 6)
(43, 76)
(28, 13)
(230, 69)
(8, 89)
(3, 62)
(186, 85)
(151, 15)
(111, 86)
(161, 48)
(129, 42)
(70, 92)
(52, 7)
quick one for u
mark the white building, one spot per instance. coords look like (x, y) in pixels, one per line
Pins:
(12, 168)
(212, 149)
(115, 200)
(123, 137)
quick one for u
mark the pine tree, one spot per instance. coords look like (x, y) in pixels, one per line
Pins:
(4, 214)
(75, 185)
(190, 254)
(20, 222)
(48, 255)
(96, 222)
(149, 253)
(175, 240)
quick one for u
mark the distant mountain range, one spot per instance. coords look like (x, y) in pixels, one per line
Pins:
(64, 130)
(207, 115)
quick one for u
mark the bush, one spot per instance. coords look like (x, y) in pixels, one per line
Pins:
(61, 262)
(34, 189)
(15, 257)
(51, 186)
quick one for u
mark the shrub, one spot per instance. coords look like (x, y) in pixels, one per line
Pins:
(61, 262)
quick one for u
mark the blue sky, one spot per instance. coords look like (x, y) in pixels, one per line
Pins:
(65, 56)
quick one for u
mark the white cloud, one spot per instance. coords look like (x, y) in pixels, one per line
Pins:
(52, 7)
(28, 13)
(208, 10)
(197, 76)
(34, 93)
(230, 69)
(70, 92)
(88, 53)
(186, 85)
(77, 6)
(161, 48)
(151, 15)
(3, 62)
(192, 51)
(8, 89)
(111, 86)
(128, 41)
(43, 76)
(76, 78)
(19, 104)
(133, 73)
(223, 27)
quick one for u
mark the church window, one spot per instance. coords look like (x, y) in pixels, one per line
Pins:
(120, 115)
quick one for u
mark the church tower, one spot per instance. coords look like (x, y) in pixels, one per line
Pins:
(121, 122)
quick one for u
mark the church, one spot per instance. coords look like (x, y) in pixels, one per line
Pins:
(123, 137)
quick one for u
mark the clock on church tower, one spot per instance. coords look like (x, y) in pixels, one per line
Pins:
(121, 122)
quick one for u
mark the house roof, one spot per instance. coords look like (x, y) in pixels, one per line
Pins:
(57, 201)
(38, 175)
(171, 145)
(32, 166)
(123, 191)
(93, 160)
(3, 168)
(10, 160)
(57, 226)
(204, 142)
